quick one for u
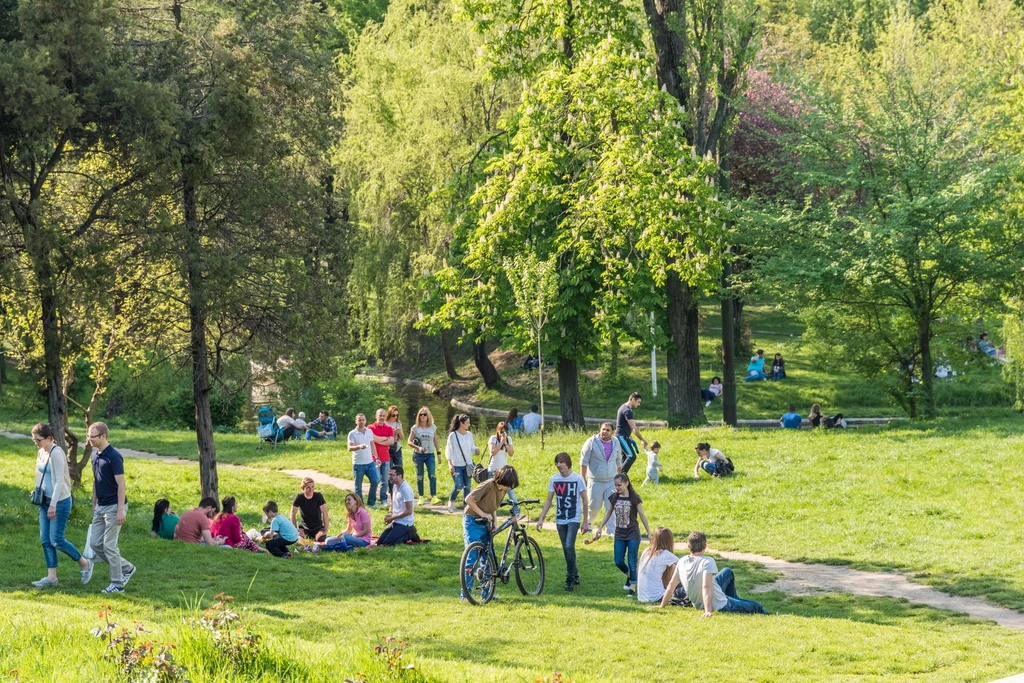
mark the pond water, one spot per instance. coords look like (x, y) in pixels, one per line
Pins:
(410, 398)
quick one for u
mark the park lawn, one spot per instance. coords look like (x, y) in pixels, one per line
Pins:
(323, 614)
(811, 378)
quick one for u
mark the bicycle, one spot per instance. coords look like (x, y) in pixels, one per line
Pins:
(480, 565)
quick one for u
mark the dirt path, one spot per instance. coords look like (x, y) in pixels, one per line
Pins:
(797, 578)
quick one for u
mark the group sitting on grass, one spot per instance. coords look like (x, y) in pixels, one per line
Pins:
(756, 367)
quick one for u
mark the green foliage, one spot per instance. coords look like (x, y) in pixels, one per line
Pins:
(332, 387)
(896, 233)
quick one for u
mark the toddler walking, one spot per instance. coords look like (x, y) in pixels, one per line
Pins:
(653, 466)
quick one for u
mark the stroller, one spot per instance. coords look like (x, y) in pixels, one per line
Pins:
(267, 428)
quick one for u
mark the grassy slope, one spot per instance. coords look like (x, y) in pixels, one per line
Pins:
(939, 501)
(811, 379)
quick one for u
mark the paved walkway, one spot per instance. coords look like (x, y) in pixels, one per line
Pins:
(797, 578)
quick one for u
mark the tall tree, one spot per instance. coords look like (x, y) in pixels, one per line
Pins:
(702, 50)
(901, 225)
(80, 129)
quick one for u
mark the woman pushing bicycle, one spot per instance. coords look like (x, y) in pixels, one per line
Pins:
(482, 504)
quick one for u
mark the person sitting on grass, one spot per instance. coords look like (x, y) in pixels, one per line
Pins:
(571, 491)
(713, 391)
(195, 525)
(711, 460)
(985, 346)
(283, 533)
(792, 419)
(838, 421)
(314, 511)
(288, 425)
(227, 525)
(482, 505)
(532, 421)
(657, 564)
(755, 369)
(653, 466)
(164, 520)
(778, 367)
(328, 427)
(400, 520)
(627, 506)
(514, 421)
(815, 416)
(359, 533)
(705, 586)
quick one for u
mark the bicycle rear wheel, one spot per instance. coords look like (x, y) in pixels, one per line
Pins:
(529, 564)
(477, 574)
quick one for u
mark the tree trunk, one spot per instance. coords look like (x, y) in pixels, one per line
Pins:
(743, 347)
(924, 342)
(77, 460)
(683, 357)
(197, 344)
(3, 369)
(728, 351)
(58, 407)
(569, 393)
(446, 352)
(484, 365)
(611, 369)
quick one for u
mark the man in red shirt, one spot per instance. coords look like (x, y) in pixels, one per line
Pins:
(383, 437)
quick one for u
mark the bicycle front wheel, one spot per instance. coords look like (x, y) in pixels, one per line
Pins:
(529, 564)
(478, 577)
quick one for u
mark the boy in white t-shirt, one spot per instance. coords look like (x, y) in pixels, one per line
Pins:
(706, 587)
(653, 466)
(569, 491)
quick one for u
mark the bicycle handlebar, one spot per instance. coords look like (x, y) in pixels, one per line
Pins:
(534, 501)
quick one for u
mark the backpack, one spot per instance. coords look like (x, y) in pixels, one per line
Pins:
(724, 467)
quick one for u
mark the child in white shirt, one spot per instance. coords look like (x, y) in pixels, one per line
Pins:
(653, 466)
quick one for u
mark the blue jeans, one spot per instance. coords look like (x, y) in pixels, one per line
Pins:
(567, 535)
(751, 378)
(737, 605)
(706, 395)
(355, 541)
(396, 459)
(367, 470)
(51, 533)
(384, 468)
(629, 452)
(313, 434)
(472, 532)
(428, 460)
(624, 550)
(781, 374)
(461, 479)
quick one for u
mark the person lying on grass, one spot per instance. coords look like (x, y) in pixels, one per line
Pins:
(706, 587)
(627, 506)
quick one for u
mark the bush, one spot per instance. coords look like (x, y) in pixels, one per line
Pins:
(336, 390)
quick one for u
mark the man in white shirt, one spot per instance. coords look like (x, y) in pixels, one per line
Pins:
(364, 457)
(705, 586)
(532, 421)
(401, 517)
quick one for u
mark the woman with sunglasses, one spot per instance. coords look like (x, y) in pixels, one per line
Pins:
(425, 448)
(53, 478)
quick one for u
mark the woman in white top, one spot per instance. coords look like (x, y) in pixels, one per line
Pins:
(708, 459)
(460, 450)
(425, 448)
(391, 420)
(500, 445)
(53, 477)
(654, 569)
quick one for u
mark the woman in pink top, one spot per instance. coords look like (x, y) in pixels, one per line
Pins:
(358, 534)
(227, 524)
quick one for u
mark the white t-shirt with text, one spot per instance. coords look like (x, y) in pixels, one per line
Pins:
(568, 491)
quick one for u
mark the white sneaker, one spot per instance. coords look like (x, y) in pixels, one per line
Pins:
(113, 588)
(451, 506)
(87, 572)
(45, 582)
(127, 576)
(707, 404)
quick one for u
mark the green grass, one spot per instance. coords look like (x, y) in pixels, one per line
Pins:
(939, 501)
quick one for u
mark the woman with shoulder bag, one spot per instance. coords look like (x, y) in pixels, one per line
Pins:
(391, 420)
(460, 450)
(52, 494)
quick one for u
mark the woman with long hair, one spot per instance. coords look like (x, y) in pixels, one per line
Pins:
(459, 451)
(655, 566)
(626, 505)
(227, 525)
(53, 480)
(164, 520)
(815, 416)
(778, 367)
(501, 448)
(359, 533)
(391, 420)
(514, 422)
(426, 453)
